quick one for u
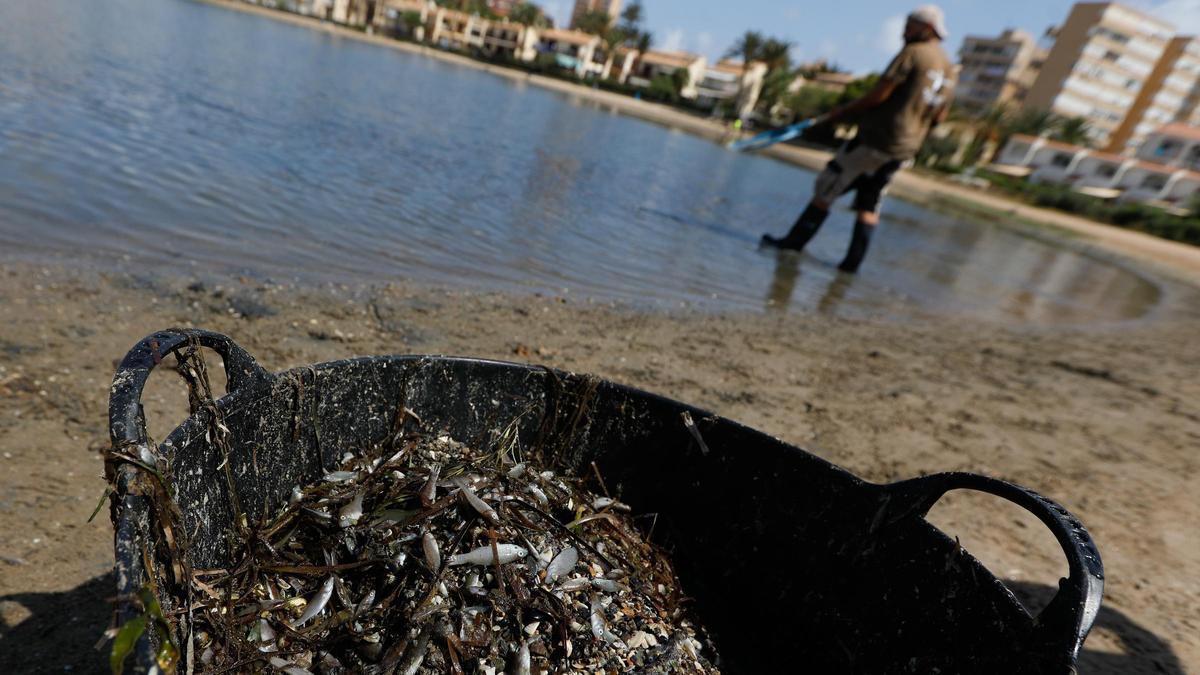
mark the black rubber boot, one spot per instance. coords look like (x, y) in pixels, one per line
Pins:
(858, 247)
(805, 228)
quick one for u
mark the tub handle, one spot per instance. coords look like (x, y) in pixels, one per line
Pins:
(1075, 606)
(126, 416)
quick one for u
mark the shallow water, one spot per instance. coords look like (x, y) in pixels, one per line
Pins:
(194, 138)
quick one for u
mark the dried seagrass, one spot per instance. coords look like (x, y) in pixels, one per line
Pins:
(429, 557)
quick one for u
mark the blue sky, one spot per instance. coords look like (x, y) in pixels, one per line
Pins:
(860, 35)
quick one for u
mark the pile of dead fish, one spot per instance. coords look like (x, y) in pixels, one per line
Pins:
(435, 559)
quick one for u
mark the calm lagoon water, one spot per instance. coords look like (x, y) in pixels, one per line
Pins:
(190, 137)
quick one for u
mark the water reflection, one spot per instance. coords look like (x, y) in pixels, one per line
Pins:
(330, 158)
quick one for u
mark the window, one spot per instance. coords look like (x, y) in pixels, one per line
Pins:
(1119, 38)
(1193, 159)
(1168, 149)
(1061, 160)
(1154, 181)
(1106, 170)
(1110, 55)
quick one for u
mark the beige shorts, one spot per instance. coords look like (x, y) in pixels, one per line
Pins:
(863, 169)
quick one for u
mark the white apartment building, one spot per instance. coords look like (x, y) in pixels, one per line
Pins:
(997, 70)
(1102, 57)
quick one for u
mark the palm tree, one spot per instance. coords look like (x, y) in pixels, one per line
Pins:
(1074, 130)
(600, 25)
(528, 14)
(631, 18)
(596, 23)
(748, 47)
(775, 53)
(1032, 122)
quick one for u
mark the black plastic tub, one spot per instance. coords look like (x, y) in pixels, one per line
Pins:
(795, 565)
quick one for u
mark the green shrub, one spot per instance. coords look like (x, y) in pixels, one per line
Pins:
(1139, 217)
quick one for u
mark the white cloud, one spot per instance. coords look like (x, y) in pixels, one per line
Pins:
(673, 42)
(891, 35)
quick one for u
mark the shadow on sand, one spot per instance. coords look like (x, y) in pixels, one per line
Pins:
(60, 632)
(1140, 650)
(62, 629)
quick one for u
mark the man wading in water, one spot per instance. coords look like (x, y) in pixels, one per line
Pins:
(893, 120)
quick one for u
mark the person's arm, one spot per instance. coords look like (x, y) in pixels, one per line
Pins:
(897, 72)
(883, 91)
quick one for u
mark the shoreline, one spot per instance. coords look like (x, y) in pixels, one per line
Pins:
(1174, 259)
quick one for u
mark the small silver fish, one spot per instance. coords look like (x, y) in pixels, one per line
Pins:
(483, 555)
(572, 585)
(288, 667)
(352, 512)
(489, 514)
(599, 626)
(433, 556)
(366, 603)
(606, 585)
(538, 494)
(340, 476)
(429, 492)
(523, 661)
(317, 603)
(563, 564)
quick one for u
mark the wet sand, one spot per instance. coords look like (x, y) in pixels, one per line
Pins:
(1105, 420)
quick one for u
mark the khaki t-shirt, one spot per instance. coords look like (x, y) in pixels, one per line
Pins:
(898, 126)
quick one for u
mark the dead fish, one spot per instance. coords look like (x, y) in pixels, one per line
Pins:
(429, 492)
(352, 512)
(572, 585)
(288, 667)
(317, 603)
(483, 555)
(517, 470)
(340, 476)
(322, 516)
(606, 585)
(489, 514)
(599, 626)
(523, 660)
(297, 495)
(538, 495)
(366, 603)
(433, 556)
(563, 564)
(415, 655)
(601, 503)
(265, 635)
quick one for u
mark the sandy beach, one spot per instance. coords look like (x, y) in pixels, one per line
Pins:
(1103, 420)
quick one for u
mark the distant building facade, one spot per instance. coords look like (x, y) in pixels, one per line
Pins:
(610, 7)
(997, 71)
(1170, 95)
(502, 8)
(732, 83)
(655, 63)
(1165, 171)
(1103, 55)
